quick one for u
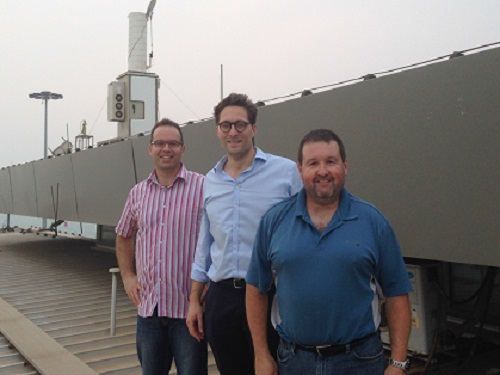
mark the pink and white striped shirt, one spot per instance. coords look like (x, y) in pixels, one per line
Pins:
(167, 220)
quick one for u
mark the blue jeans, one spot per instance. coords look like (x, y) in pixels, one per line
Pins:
(365, 359)
(159, 340)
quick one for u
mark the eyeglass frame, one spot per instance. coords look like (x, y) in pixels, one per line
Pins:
(233, 125)
(171, 144)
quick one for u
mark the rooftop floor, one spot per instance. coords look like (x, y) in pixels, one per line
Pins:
(55, 302)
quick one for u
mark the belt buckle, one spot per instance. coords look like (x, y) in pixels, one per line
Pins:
(236, 283)
(320, 348)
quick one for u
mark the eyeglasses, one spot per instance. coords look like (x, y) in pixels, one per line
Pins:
(238, 125)
(170, 144)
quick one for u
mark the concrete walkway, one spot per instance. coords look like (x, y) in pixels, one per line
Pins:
(44, 353)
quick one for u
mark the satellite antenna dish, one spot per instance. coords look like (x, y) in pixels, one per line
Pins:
(151, 6)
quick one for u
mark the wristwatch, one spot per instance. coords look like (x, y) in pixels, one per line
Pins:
(405, 366)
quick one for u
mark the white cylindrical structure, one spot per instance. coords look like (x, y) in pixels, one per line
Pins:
(137, 42)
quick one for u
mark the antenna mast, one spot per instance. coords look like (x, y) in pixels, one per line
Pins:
(221, 81)
(149, 15)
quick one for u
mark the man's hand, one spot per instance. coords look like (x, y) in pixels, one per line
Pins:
(265, 365)
(257, 305)
(194, 319)
(125, 254)
(391, 370)
(133, 288)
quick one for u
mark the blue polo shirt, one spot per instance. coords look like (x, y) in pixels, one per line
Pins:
(327, 282)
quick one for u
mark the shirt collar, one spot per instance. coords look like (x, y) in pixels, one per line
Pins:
(259, 155)
(182, 174)
(342, 211)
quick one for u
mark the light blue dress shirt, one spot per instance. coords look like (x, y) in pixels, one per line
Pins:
(232, 210)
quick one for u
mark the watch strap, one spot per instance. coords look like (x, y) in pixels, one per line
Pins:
(401, 365)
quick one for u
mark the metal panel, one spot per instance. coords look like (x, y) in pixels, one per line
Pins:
(103, 178)
(5, 191)
(203, 148)
(56, 188)
(143, 161)
(422, 145)
(24, 190)
(143, 88)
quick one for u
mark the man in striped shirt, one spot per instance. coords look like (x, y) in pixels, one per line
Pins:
(162, 214)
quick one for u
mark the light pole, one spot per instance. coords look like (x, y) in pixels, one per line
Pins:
(45, 96)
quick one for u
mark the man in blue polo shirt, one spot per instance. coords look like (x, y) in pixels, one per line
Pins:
(330, 252)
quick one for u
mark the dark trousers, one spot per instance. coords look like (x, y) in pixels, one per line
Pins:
(227, 331)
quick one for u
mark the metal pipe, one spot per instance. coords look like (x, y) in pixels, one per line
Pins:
(45, 141)
(113, 271)
(46, 128)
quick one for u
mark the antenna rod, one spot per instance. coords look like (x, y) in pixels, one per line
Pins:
(221, 81)
(150, 64)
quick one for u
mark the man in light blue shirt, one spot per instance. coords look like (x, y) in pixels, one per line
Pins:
(238, 191)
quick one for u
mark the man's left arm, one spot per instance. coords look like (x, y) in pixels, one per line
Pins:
(398, 314)
(256, 306)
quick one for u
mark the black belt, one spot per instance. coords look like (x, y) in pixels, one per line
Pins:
(235, 283)
(331, 350)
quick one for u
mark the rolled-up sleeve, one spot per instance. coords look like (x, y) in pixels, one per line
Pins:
(202, 259)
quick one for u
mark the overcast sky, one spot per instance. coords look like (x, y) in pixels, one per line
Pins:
(268, 48)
